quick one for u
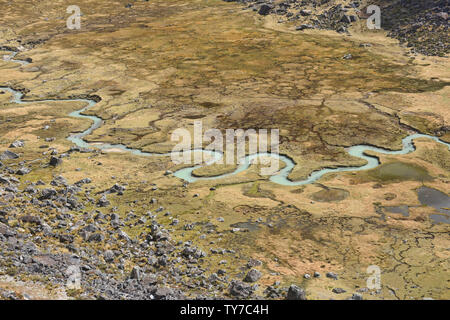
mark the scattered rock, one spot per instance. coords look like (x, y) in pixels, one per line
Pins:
(252, 276)
(23, 171)
(8, 155)
(357, 296)
(103, 202)
(17, 144)
(338, 290)
(109, 256)
(347, 57)
(332, 275)
(264, 9)
(241, 290)
(55, 161)
(135, 273)
(295, 293)
(304, 27)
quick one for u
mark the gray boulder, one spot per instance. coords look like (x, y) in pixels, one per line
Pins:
(8, 155)
(296, 293)
(239, 289)
(252, 276)
(54, 161)
(264, 9)
(17, 144)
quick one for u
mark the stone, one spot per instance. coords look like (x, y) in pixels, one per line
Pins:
(305, 12)
(109, 256)
(66, 238)
(357, 296)
(443, 15)
(252, 276)
(135, 273)
(30, 219)
(348, 56)
(123, 236)
(23, 171)
(97, 237)
(239, 289)
(264, 9)
(338, 290)
(253, 263)
(332, 275)
(348, 18)
(4, 180)
(55, 161)
(103, 202)
(17, 144)
(8, 155)
(116, 188)
(47, 193)
(296, 293)
(163, 293)
(304, 27)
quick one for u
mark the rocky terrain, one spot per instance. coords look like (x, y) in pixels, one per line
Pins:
(50, 232)
(420, 25)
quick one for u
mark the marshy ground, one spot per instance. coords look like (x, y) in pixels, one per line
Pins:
(160, 65)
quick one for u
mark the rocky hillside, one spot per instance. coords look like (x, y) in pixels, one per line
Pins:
(48, 234)
(421, 25)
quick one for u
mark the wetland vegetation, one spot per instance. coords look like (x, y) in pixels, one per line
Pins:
(72, 193)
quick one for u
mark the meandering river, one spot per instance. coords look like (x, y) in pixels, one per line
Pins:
(280, 177)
